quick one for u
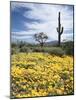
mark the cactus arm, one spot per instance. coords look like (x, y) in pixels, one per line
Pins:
(57, 29)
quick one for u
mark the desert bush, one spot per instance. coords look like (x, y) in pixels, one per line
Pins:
(38, 49)
(55, 50)
(15, 50)
(25, 49)
(51, 50)
(68, 47)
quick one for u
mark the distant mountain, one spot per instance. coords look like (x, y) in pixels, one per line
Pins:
(52, 43)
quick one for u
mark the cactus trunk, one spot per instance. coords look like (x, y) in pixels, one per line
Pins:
(59, 39)
(59, 30)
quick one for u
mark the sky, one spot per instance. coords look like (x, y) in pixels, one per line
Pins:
(28, 19)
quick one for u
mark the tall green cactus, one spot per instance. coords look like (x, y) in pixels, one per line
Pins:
(59, 30)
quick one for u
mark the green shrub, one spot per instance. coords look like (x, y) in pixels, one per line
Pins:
(68, 47)
(38, 49)
(14, 50)
(25, 49)
(55, 50)
(51, 50)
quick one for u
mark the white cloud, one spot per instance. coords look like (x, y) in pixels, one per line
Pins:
(67, 37)
(15, 5)
(48, 14)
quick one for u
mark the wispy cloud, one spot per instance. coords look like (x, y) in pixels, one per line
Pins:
(43, 18)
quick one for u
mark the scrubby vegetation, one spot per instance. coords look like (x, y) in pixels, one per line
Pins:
(66, 48)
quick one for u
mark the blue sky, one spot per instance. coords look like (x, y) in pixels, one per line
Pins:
(30, 18)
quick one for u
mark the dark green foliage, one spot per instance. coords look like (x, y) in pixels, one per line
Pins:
(13, 45)
(38, 49)
(15, 50)
(24, 49)
(51, 50)
(59, 30)
(57, 51)
(68, 47)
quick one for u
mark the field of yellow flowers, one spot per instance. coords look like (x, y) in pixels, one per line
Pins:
(41, 74)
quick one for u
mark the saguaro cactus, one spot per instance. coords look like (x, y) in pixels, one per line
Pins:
(59, 30)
